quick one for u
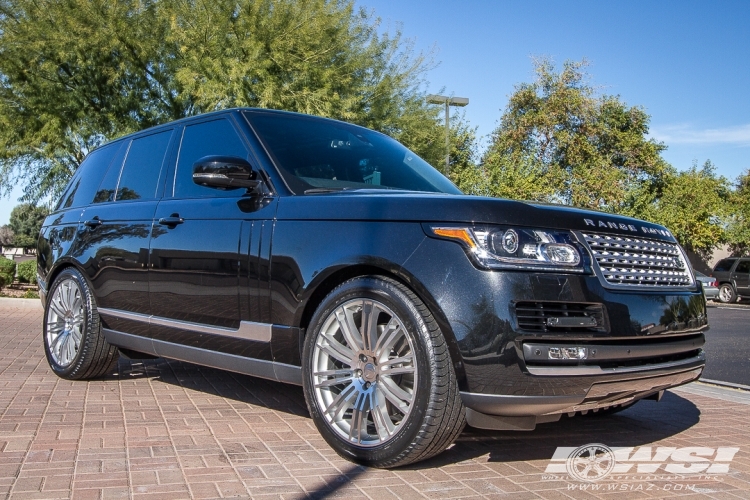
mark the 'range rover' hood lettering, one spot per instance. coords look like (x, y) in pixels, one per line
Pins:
(626, 227)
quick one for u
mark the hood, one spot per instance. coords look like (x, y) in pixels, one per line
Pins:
(396, 206)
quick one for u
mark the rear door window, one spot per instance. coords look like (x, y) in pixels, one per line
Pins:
(743, 267)
(724, 265)
(216, 137)
(87, 178)
(140, 174)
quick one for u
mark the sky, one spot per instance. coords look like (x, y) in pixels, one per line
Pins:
(687, 63)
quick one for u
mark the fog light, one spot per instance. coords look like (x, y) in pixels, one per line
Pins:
(568, 353)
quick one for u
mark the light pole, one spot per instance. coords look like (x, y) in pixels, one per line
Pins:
(448, 101)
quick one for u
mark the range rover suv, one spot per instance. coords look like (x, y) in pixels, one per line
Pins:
(319, 253)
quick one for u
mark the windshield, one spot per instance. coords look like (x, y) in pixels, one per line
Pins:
(316, 155)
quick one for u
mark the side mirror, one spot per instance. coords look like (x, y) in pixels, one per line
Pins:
(224, 172)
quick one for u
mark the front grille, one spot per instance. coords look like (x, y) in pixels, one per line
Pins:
(627, 261)
(533, 316)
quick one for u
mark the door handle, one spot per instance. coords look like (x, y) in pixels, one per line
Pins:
(93, 223)
(171, 221)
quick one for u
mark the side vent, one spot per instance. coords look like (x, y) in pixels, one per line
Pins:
(560, 317)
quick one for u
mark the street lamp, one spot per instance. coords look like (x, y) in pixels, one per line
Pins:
(448, 101)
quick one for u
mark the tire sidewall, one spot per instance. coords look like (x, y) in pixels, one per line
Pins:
(90, 322)
(390, 295)
(732, 293)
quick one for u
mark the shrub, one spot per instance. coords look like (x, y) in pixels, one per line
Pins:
(27, 271)
(30, 294)
(7, 271)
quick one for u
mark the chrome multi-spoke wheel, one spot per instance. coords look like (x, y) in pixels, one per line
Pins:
(65, 322)
(364, 372)
(73, 340)
(378, 379)
(727, 294)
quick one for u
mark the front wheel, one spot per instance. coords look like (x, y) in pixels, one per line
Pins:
(727, 294)
(378, 378)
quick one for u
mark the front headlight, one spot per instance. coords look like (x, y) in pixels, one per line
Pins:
(498, 247)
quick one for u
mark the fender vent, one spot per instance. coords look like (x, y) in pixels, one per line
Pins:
(560, 317)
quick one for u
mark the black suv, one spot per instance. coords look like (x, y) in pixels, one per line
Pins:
(320, 253)
(733, 276)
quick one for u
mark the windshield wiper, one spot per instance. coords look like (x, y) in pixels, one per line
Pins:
(325, 190)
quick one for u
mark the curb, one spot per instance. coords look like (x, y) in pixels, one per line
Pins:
(737, 305)
(721, 383)
(20, 303)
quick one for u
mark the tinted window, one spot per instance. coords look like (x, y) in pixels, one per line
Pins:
(743, 267)
(106, 191)
(314, 154)
(140, 174)
(82, 187)
(724, 265)
(216, 137)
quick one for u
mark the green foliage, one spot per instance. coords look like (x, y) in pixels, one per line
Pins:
(26, 221)
(693, 204)
(518, 177)
(558, 141)
(27, 271)
(7, 271)
(30, 294)
(464, 171)
(78, 72)
(738, 230)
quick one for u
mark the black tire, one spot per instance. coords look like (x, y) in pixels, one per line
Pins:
(71, 322)
(727, 295)
(436, 413)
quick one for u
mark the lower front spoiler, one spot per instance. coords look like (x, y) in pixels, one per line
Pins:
(501, 412)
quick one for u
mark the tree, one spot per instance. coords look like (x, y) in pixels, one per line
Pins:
(76, 73)
(738, 230)
(464, 171)
(26, 221)
(6, 236)
(558, 140)
(693, 204)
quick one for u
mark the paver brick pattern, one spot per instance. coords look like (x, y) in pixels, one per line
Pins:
(166, 429)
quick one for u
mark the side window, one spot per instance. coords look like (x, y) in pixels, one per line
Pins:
(724, 265)
(743, 267)
(106, 191)
(88, 176)
(217, 137)
(140, 174)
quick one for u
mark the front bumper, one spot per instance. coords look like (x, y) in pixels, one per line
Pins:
(625, 385)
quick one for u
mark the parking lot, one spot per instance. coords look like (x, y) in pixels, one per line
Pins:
(164, 429)
(727, 348)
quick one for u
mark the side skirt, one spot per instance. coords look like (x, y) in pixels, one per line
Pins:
(280, 372)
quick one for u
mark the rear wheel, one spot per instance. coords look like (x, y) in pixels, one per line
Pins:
(378, 378)
(73, 341)
(727, 294)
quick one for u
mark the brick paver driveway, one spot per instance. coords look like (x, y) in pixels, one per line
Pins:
(166, 429)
